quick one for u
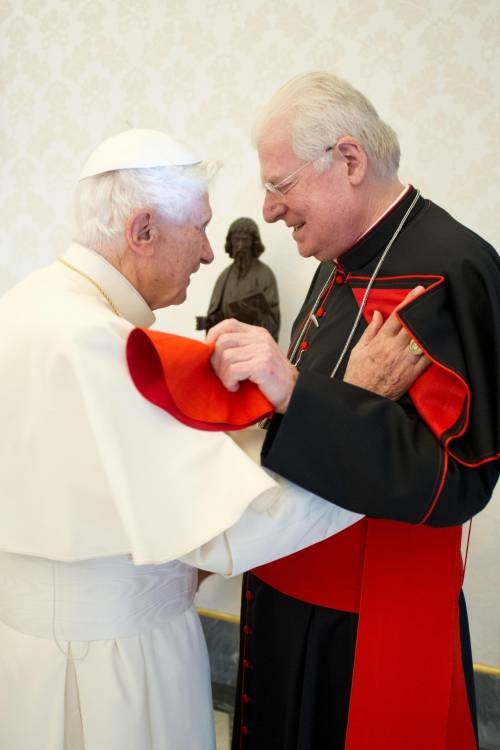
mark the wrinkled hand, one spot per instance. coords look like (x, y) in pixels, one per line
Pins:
(245, 352)
(381, 361)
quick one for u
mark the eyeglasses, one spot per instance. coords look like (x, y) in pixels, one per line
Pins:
(283, 186)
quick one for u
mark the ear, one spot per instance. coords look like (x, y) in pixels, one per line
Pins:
(355, 159)
(140, 232)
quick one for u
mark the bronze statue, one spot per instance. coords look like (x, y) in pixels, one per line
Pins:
(247, 289)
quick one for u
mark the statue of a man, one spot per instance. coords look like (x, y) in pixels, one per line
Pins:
(247, 289)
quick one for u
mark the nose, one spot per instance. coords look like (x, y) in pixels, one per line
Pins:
(207, 254)
(273, 207)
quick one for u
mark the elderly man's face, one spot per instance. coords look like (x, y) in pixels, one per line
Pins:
(181, 248)
(319, 208)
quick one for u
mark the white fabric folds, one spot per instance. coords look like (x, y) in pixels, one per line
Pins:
(88, 468)
(91, 600)
(137, 676)
(297, 519)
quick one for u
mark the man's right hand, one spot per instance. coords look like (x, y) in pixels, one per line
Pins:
(245, 352)
(381, 361)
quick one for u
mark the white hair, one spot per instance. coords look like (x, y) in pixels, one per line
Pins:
(104, 202)
(319, 108)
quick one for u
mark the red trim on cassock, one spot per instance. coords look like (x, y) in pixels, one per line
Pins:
(174, 373)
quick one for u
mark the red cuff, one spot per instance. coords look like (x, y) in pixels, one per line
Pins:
(174, 373)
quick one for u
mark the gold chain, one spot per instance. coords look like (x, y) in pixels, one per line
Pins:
(92, 281)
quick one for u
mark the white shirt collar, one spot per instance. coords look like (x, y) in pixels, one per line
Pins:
(132, 306)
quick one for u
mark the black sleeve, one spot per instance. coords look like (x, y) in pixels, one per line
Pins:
(466, 491)
(372, 455)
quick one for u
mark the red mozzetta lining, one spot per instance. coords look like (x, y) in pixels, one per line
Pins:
(175, 374)
(440, 395)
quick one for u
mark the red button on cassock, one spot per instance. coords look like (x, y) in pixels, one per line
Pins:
(247, 630)
(247, 664)
(245, 698)
(320, 312)
(248, 596)
(339, 280)
(304, 346)
(245, 730)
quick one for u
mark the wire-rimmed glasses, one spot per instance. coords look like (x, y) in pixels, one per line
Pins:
(287, 183)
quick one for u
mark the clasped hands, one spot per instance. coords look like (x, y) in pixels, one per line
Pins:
(381, 361)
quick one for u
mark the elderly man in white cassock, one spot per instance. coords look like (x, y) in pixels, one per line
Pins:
(102, 493)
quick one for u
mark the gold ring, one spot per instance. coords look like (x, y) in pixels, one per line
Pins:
(414, 348)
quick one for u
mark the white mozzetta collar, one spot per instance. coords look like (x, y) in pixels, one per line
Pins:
(132, 306)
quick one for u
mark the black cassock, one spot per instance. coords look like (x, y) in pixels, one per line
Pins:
(374, 456)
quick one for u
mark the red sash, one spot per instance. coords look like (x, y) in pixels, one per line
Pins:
(408, 690)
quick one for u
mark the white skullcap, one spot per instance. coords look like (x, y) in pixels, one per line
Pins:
(135, 149)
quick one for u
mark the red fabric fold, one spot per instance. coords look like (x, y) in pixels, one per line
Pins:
(408, 681)
(440, 395)
(174, 373)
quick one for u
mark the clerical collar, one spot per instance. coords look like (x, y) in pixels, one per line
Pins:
(130, 303)
(370, 244)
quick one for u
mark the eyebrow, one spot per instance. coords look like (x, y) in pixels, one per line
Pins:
(264, 179)
(273, 180)
(276, 180)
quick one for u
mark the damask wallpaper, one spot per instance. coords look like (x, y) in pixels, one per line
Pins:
(73, 72)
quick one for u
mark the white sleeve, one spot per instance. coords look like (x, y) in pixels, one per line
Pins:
(296, 520)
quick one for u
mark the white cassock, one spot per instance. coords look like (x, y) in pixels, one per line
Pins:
(101, 493)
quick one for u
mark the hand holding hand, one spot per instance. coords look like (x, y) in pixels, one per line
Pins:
(245, 352)
(381, 361)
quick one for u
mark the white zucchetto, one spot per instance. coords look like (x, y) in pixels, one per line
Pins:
(138, 148)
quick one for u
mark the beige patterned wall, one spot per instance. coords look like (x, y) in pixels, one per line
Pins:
(74, 72)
